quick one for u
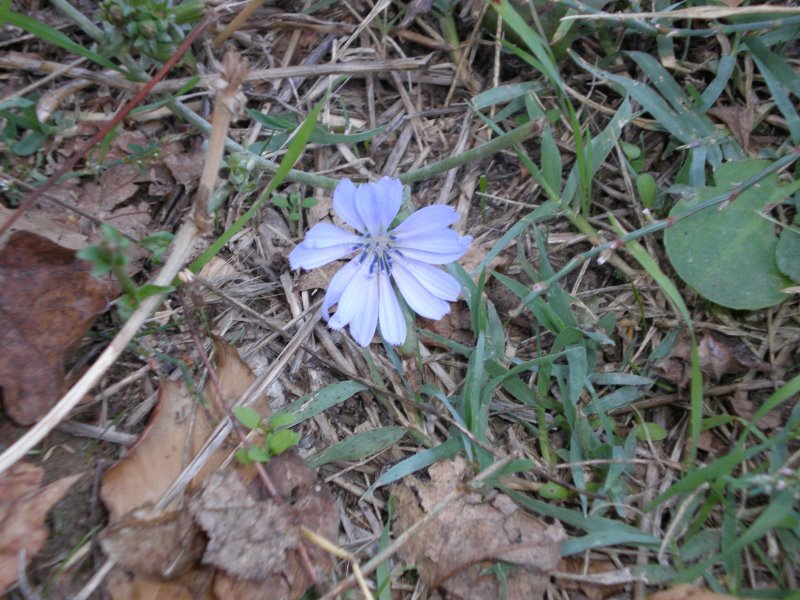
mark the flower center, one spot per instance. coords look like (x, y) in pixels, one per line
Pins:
(378, 250)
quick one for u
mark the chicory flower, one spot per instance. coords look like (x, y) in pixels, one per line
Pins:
(363, 288)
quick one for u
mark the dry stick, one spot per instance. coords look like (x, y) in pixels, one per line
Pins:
(392, 548)
(542, 286)
(97, 137)
(229, 101)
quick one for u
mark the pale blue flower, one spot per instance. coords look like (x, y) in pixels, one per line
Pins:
(363, 288)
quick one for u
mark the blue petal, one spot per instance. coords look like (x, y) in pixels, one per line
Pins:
(437, 282)
(311, 258)
(337, 285)
(350, 300)
(365, 321)
(344, 197)
(324, 235)
(367, 207)
(393, 323)
(426, 220)
(388, 195)
(418, 298)
(442, 247)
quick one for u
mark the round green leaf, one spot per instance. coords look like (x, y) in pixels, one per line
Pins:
(728, 254)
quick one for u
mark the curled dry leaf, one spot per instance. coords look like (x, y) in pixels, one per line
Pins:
(48, 300)
(453, 549)
(23, 508)
(719, 355)
(254, 540)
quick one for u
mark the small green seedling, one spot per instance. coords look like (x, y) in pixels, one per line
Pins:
(110, 256)
(277, 437)
(292, 206)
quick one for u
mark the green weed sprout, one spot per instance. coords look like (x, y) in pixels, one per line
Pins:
(277, 437)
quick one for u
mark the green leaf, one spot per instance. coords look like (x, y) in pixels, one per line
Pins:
(157, 243)
(247, 416)
(311, 405)
(318, 135)
(728, 254)
(282, 440)
(647, 189)
(553, 491)
(29, 144)
(148, 290)
(280, 201)
(418, 461)
(358, 446)
(259, 454)
(787, 253)
(242, 457)
(281, 420)
(652, 431)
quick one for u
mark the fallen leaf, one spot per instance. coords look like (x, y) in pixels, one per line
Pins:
(161, 546)
(48, 300)
(23, 508)
(739, 119)
(719, 355)
(158, 456)
(689, 592)
(253, 540)
(163, 448)
(453, 549)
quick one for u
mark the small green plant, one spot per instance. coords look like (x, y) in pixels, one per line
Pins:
(21, 131)
(110, 256)
(153, 27)
(277, 438)
(292, 206)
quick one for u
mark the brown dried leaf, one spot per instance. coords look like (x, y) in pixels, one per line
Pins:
(23, 508)
(156, 459)
(452, 550)
(689, 592)
(161, 546)
(253, 540)
(48, 300)
(719, 355)
(739, 119)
